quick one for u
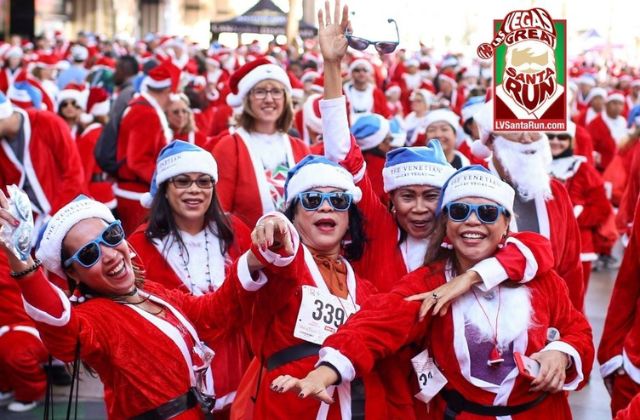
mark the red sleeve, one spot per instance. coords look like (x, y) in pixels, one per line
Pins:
(632, 411)
(525, 248)
(226, 154)
(597, 208)
(381, 106)
(372, 334)
(622, 312)
(145, 139)
(602, 142)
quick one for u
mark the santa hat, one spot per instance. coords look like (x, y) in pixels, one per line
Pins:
(309, 76)
(46, 59)
(98, 103)
(6, 109)
(635, 82)
(411, 62)
(163, 76)
(444, 115)
(448, 76)
(361, 63)
(311, 113)
(24, 95)
(427, 95)
(79, 53)
(595, 92)
(318, 85)
(477, 181)
(425, 165)
(297, 88)
(370, 130)
(470, 107)
(104, 62)
(317, 172)
(13, 51)
(179, 157)
(393, 88)
(249, 75)
(450, 61)
(515, 22)
(484, 121)
(75, 92)
(49, 244)
(586, 79)
(615, 95)
(397, 132)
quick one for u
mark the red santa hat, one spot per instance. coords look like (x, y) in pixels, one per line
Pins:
(252, 73)
(297, 88)
(615, 95)
(75, 92)
(165, 75)
(311, 113)
(448, 76)
(13, 51)
(635, 82)
(46, 59)
(595, 92)
(309, 76)
(484, 120)
(104, 62)
(318, 85)
(393, 88)
(359, 63)
(411, 62)
(98, 103)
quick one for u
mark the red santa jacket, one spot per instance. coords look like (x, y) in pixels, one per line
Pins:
(220, 119)
(11, 308)
(378, 104)
(238, 186)
(143, 133)
(6, 79)
(203, 118)
(586, 190)
(620, 344)
(631, 191)
(274, 310)
(51, 161)
(98, 187)
(632, 411)
(603, 142)
(198, 138)
(388, 322)
(583, 144)
(141, 359)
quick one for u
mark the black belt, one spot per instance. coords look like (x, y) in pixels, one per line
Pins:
(101, 177)
(456, 404)
(291, 354)
(171, 408)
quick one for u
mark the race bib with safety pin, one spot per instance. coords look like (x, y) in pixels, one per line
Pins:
(321, 314)
(430, 379)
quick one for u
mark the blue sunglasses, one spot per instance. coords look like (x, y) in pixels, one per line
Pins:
(486, 213)
(89, 254)
(312, 200)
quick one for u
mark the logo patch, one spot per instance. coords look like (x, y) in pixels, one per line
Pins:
(529, 71)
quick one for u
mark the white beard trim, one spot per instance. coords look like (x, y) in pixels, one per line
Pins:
(527, 165)
(515, 314)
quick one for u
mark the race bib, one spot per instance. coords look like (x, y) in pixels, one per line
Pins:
(321, 314)
(430, 379)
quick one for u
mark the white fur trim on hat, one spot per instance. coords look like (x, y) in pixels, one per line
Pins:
(79, 96)
(415, 173)
(100, 108)
(309, 117)
(184, 162)
(155, 84)
(442, 115)
(255, 76)
(615, 97)
(320, 175)
(478, 183)
(480, 150)
(50, 249)
(361, 62)
(596, 91)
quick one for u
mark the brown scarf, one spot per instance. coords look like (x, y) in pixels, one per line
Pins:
(334, 273)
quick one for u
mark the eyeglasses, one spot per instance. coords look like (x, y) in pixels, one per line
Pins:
(89, 254)
(312, 200)
(383, 47)
(260, 93)
(64, 104)
(487, 213)
(183, 182)
(561, 137)
(359, 69)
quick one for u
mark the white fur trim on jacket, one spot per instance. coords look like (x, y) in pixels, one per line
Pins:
(39, 315)
(244, 275)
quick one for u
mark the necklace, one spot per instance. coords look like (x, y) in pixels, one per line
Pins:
(123, 301)
(185, 264)
(495, 357)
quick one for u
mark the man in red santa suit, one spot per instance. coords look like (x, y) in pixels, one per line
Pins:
(38, 155)
(449, 92)
(585, 83)
(362, 94)
(13, 63)
(619, 353)
(594, 106)
(542, 204)
(409, 78)
(607, 130)
(143, 132)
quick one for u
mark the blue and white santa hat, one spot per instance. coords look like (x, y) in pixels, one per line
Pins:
(49, 243)
(426, 165)
(179, 157)
(397, 132)
(25, 95)
(370, 130)
(471, 107)
(317, 172)
(6, 109)
(477, 181)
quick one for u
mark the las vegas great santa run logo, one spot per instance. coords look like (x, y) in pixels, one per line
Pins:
(529, 83)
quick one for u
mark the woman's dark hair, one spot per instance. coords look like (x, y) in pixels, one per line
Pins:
(353, 241)
(162, 223)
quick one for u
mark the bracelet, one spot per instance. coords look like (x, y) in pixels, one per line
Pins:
(19, 274)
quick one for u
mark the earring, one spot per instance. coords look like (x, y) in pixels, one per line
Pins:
(503, 240)
(77, 296)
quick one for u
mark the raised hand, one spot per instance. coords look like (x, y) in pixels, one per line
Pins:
(6, 220)
(273, 234)
(333, 43)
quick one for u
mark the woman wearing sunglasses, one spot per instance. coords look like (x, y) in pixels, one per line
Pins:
(188, 244)
(255, 159)
(182, 122)
(141, 338)
(586, 190)
(316, 292)
(468, 367)
(71, 102)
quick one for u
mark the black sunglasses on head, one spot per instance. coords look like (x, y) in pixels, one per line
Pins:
(383, 47)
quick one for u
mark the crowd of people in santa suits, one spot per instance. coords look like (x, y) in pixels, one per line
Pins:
(222, 158)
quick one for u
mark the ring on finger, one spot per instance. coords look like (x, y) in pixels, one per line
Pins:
(435, 296)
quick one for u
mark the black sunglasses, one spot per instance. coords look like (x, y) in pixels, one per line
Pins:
(561, 137)
(383, 47)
